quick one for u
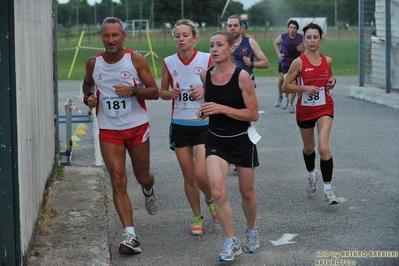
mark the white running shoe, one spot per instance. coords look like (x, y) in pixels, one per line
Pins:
(285, 103)
(330, 197)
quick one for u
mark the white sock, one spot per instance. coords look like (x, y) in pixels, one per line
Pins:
(232, 239)
(130, 230)
(327, 187)
(312, 175)
(147, 192)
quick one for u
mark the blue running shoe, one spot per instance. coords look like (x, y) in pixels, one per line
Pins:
(252, 245)
(230, 249)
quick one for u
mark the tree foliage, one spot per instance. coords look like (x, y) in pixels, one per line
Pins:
(273, 12)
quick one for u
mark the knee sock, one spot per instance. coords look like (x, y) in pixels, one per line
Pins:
(309, 160)
(326, 168)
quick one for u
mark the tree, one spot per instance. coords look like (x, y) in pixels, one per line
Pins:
(276, 12)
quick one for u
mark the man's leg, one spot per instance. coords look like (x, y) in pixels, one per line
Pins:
(114, 157)
(286, 99)
(280, 89)
(140, 157)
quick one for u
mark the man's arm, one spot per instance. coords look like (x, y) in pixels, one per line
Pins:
(88, 82)
(259, 55)
(89, 97)
(150, 91)
(277, 47)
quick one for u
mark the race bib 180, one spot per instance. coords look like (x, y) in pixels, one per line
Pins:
(185, 100)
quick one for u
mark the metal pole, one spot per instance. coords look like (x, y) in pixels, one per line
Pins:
(361, 43)
(140, 22)
(95, 14)
(77, 17)
(126, 10)
(388, 46)
(182, 9)
(336, 19)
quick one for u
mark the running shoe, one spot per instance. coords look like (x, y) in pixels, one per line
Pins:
(212, 210)
(291, 108)
(278, 101)
(196, 229)
(285, 103)
(231, 248)
(312, 185)
(130, 245)
(252, 245)
(150, 202)
(330, 197)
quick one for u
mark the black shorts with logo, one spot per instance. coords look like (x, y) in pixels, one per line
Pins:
(237, 150)
(183, 136)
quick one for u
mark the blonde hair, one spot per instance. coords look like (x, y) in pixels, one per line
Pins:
(186, 22)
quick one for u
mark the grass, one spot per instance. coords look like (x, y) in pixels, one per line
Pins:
(343, 50)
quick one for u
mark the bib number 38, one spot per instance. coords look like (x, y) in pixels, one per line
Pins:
(315, 100)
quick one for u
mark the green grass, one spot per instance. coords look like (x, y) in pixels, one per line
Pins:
(344, 53)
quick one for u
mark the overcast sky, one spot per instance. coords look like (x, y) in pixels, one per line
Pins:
(246, 3)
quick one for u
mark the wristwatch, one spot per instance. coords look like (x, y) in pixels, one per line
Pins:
(253, 64)
(134, 92)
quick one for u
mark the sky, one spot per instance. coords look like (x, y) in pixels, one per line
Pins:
(246, 3)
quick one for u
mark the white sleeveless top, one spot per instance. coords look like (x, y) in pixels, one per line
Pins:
(186, 73)
(114, 112)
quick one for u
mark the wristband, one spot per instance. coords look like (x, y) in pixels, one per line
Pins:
(86, 97)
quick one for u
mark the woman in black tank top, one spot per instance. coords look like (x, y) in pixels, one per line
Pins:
(231, 105)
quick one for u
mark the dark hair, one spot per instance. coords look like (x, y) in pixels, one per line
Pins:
(244, 24)
(313, 26)
(228, 35)
(293, 22)
(236, 17)
(113, 20)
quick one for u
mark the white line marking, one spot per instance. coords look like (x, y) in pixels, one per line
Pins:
(285, 239)
(97, 151)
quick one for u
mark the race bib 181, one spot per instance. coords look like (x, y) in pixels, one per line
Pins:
(115, 106)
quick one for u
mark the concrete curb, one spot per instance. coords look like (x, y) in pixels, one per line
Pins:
(78, 228)
(375, 95)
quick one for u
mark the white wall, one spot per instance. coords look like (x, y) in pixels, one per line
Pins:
(378, 44)
(35, 107)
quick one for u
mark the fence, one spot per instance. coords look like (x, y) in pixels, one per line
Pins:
(378, 44)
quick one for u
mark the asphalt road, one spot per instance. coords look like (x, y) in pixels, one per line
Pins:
(294, 229)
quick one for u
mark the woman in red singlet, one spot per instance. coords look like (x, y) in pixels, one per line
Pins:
(312, 71)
